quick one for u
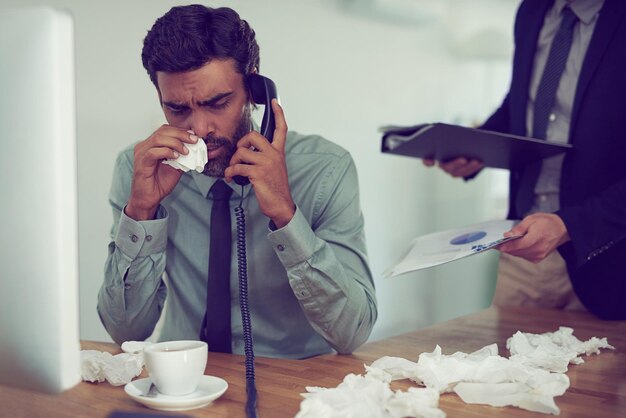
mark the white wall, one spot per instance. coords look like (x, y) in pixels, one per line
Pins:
(342, 73)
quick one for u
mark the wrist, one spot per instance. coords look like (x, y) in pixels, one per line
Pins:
(564, 233)
(139, 214)
(284, 217)
(564, 238)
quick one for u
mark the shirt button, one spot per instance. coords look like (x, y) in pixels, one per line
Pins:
(126, 286)
(134, 238)
(280, 247)
(552, 117)
(543, 198)
(148, 238)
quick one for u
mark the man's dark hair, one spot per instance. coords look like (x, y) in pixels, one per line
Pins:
(187, 37)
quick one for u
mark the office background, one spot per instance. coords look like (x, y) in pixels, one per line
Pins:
(343, 69)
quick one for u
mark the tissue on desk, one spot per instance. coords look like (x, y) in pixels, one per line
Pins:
(530, 379)
(194, 160)
(553, 351)
(538, 396)
(119, 369)
(369, 396)
(415, 402)
(481, 377)
(356, 396)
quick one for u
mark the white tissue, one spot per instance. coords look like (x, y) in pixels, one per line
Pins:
(442, 372)
(361, 396)
(530, 379)
(397, 368)
(119, 369)
(415, 402)
(134, 347)
(194, 160)
(537, 397)
(553, 350)
(357, 396)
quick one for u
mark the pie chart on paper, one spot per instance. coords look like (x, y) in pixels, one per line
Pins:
(445, 246)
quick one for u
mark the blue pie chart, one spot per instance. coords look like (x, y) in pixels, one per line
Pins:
(468, 237)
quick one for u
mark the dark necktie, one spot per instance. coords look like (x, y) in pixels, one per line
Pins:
(544, 103)
(216, 324)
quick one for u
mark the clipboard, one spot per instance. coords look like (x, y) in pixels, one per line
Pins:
(444, 142)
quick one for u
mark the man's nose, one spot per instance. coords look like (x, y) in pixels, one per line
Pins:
(202, 125)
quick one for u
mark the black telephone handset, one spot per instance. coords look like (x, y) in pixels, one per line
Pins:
(262, 90)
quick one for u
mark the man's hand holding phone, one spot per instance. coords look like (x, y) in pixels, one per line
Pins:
(264, 164)
(152, 181)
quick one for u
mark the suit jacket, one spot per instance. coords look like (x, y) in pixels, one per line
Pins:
(593, 179)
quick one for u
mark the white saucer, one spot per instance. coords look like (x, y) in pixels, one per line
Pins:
(209, 389)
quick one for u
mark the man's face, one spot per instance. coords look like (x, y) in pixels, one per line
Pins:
(211, 101)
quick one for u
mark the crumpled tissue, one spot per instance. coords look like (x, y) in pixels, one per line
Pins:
(194, 160)
(482, 377)
(553, 351)
(530, 379)
(119, 369)
(361, 396)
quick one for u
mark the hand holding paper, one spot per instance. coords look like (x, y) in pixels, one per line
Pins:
(442, 247)
(543, 233)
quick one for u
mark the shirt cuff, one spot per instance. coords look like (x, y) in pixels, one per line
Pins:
(142, 238)
(295, 242)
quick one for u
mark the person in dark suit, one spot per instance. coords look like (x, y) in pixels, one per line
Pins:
(573, 207)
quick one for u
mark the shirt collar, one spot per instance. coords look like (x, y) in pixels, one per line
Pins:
(585, 10)
(204, 184)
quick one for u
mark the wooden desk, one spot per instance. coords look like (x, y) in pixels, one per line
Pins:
(597, 389)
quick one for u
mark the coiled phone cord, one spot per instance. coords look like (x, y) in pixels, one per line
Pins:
(242, 269)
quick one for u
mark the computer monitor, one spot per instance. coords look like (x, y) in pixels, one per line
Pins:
(39, 332)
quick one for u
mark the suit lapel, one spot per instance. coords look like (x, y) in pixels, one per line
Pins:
(610, 17)
(534, 22)
(531, 20)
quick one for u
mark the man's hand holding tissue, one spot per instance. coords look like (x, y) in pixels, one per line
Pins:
(542, 234)
(152, 181)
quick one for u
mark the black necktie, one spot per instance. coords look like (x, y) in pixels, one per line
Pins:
(216, 324)
(544, 103)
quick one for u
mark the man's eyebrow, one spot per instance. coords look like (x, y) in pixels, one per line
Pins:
(175, 105)
(208, 102)
(213, 100)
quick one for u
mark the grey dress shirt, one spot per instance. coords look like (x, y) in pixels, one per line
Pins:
(310, 287)
(548, 184)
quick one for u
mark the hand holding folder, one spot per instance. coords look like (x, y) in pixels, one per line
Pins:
(443, 142)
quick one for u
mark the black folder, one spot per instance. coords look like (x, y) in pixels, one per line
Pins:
(443, 142)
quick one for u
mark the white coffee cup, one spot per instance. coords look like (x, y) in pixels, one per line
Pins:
(175, 367)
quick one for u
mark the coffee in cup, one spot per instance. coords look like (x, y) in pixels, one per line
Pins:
(175, 367)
